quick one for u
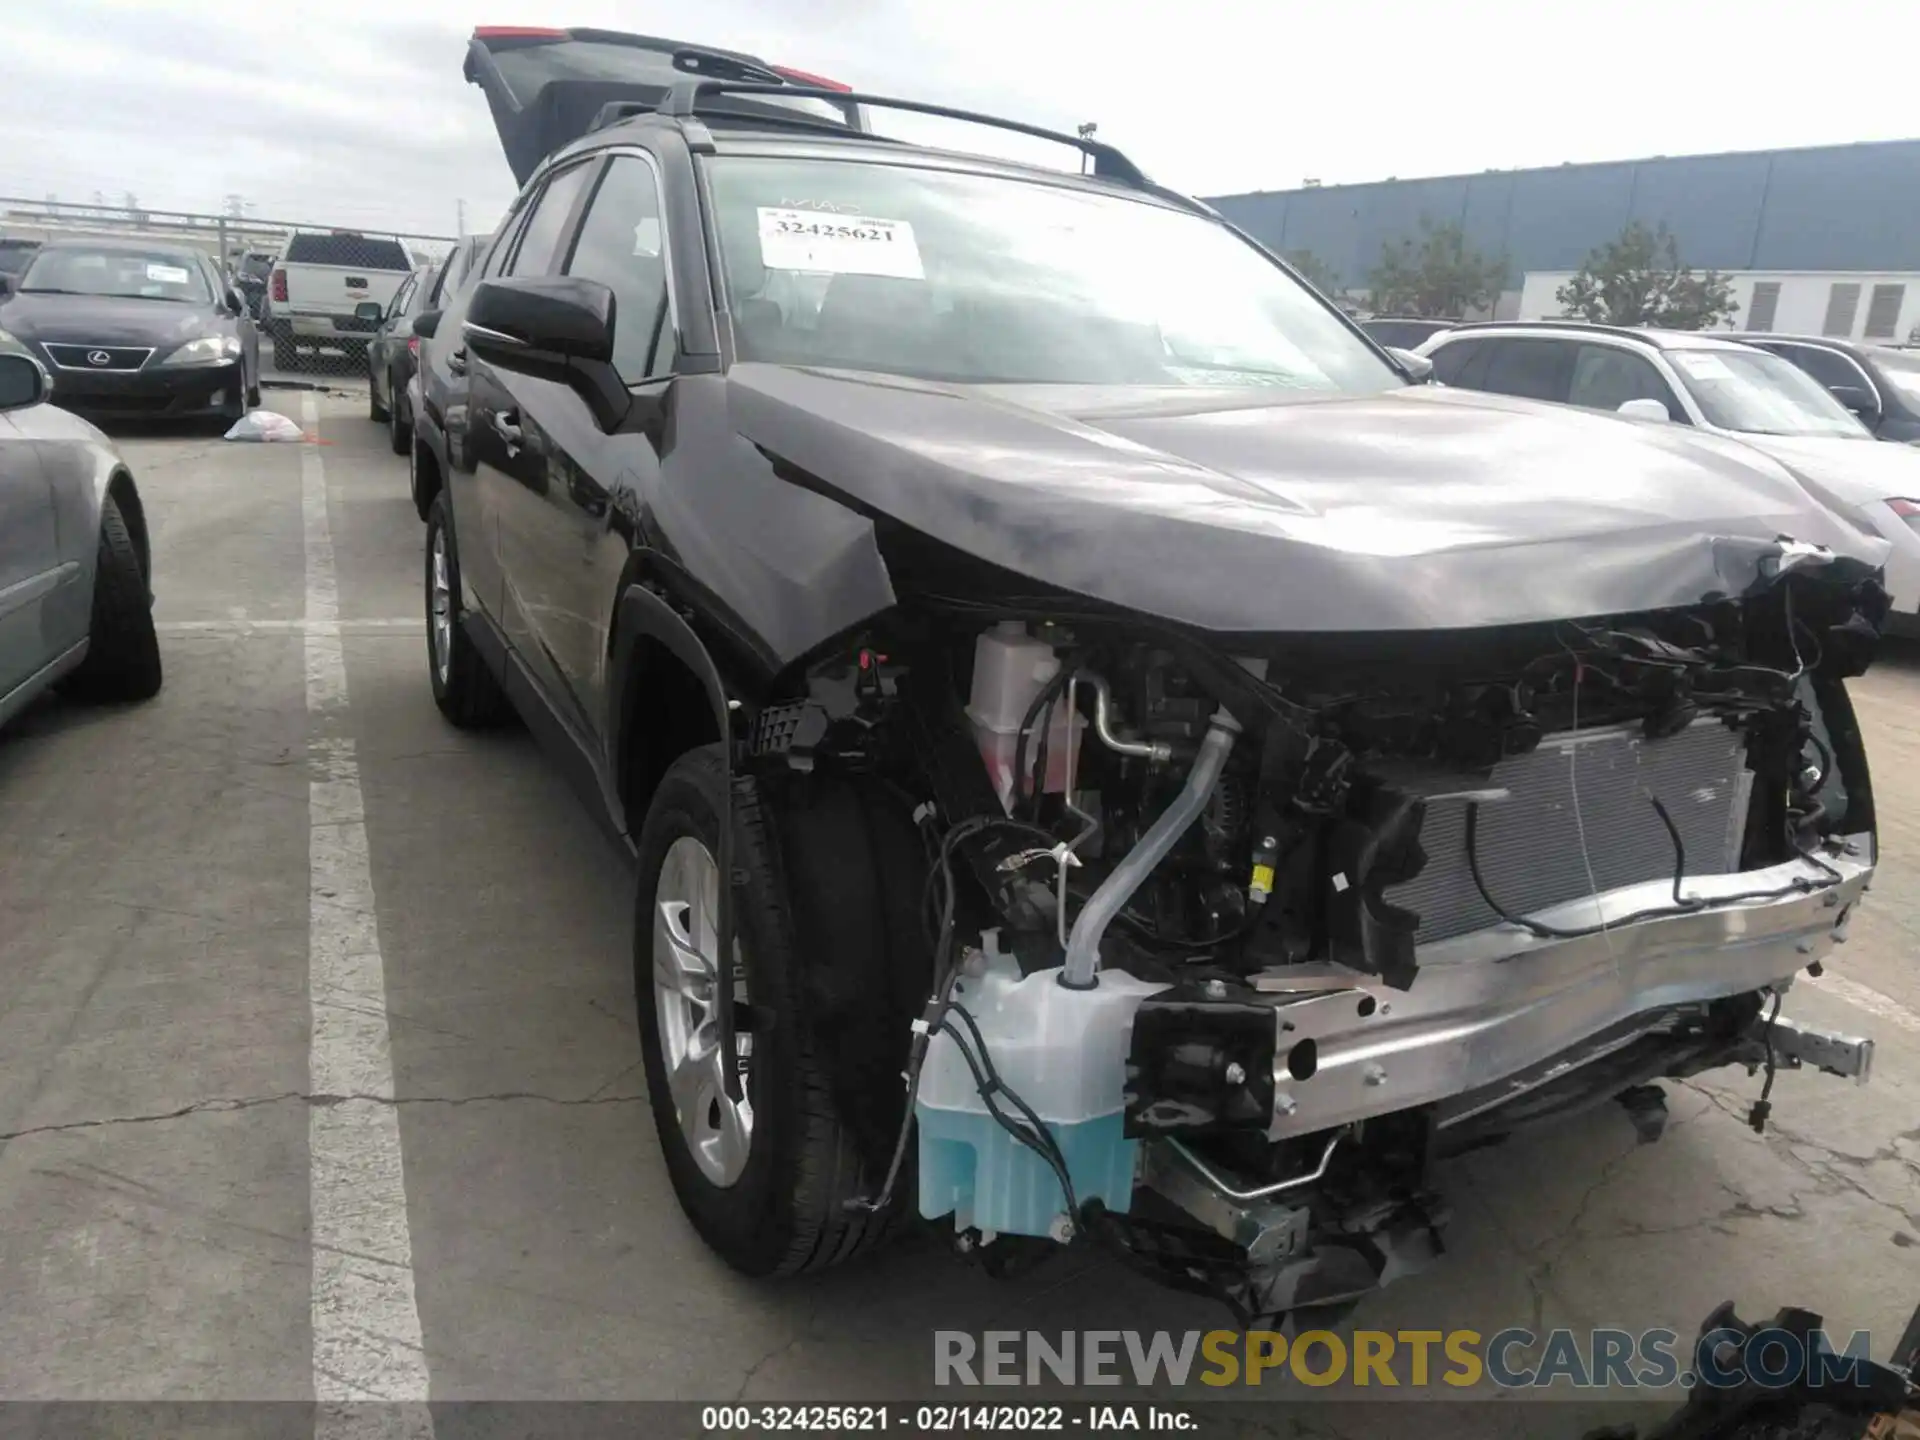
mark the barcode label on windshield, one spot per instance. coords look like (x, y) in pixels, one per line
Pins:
(838, 244)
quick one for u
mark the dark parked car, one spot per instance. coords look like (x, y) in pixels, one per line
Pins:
(1404, 332)
(1879, 383)
(1034, 647)
(391, 352)
(433, 373)
(251, 269)
(136, 329)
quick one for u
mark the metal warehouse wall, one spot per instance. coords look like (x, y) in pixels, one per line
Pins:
(1832, 207)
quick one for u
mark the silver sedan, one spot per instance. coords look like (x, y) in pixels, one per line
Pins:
(76, 596)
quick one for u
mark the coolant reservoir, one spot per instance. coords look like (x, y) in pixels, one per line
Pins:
(1062, 1051)
(1010, 668)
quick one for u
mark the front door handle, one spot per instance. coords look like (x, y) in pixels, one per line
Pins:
(457, 361)
(506, 424)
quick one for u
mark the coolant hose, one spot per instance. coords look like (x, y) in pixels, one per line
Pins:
(1083, 945)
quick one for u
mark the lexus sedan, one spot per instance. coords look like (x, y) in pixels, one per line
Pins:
(137, 330)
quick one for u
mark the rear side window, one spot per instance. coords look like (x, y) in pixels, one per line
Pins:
(354, 252)
(1531, 369)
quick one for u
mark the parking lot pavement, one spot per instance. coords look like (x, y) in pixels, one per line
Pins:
(175, 1210)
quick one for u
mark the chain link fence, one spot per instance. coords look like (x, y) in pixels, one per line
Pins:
(310, 290)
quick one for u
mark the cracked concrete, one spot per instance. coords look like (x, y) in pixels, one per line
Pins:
(155, 1100)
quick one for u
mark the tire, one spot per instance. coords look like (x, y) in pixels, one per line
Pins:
(399, 421)
(123, 653)
(377, 412)
(827, 1042)
(253, 395)
(467, 692)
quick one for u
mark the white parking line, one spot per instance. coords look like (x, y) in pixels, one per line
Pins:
(1883, 1007)
(366, 1324)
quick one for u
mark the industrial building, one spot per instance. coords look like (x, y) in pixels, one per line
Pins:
(1824, 239)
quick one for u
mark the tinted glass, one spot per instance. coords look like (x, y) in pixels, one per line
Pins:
(355, 252)
(983, 278)
(1901, 369)
(1761, 394)
(134, 274)
(1451, 362)
(1531, 369)
(622, 246)
(1825, 366)
(540, 241)
(1605, 378)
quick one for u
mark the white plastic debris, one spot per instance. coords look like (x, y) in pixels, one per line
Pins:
(266, 425)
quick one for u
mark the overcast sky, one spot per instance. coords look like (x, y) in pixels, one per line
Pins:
(354, 112)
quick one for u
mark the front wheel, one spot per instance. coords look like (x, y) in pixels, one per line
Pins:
(466, 691)
(823, 985)
(123, 654)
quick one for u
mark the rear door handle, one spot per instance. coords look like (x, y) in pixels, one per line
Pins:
(457, 361)
(506, 424)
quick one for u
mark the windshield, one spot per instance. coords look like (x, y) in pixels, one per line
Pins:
(1757, 393)
(128, 274)
(1901, 369)
(985, 279)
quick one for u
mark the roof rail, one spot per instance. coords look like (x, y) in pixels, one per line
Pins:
(683, 101)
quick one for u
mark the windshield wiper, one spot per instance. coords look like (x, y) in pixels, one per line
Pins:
(46, 290)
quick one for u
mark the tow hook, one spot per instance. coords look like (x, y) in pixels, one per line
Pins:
(1847, 1056)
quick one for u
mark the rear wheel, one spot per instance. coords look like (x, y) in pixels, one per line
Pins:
(817, 980)
(467, 692)
(123, 654)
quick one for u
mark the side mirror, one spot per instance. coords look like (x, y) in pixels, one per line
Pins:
(234, 302)
(1857, 399)
(558, 327)
(427, 322)
(22, 382)
(1644, 409)
(1419, 369)
(371, 310)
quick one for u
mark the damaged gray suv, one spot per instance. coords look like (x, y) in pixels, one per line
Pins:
(1037, 649)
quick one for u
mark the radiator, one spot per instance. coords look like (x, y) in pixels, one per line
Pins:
(1529, 844)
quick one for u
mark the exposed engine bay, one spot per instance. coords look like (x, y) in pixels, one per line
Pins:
(1233, 937)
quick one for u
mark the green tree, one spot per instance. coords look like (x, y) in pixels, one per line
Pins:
(1315, 271)
(1436, 273)
(1637, 279)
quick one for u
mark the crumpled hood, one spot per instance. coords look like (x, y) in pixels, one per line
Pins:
(1851, 472)
(107, 320)
(1263, 511)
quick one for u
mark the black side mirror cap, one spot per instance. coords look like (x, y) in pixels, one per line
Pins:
(427, 323)
(23, 382)
(556, 326)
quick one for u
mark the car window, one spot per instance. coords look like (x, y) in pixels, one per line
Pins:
(1901, 369)
(623, 246)
(1534, 369)
(991, 279)
(398, 306)
(125, 273)
(1757, 393)
(538, 250)
(1453, 363)
(1605, 377)
(347, 250)
(1829, 367)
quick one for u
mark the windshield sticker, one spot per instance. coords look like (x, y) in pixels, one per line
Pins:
(1701, 366)
(167, 274)
(845, 245)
